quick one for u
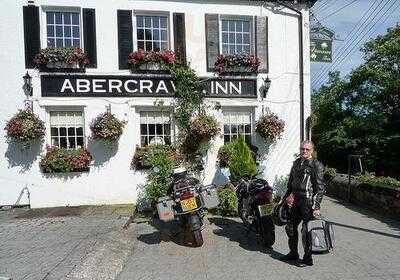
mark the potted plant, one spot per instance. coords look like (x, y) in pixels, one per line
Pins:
(203, 127)
(270, 127)
(25, 127)
(107, 128)
(57, 160)
(236, 63)
(151, 60)
(61, 58)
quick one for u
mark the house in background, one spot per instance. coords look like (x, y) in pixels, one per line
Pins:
(197, 31)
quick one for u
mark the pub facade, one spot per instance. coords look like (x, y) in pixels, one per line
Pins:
(67, 98)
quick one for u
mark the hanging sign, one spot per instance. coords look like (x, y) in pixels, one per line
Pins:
(321, 50)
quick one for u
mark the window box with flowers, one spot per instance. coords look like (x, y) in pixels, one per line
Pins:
(66, 59)
(144, 157)
(236, 63)
(149, 61)
(25, 127)
(270, 127)
(107, 127)
(61, 160)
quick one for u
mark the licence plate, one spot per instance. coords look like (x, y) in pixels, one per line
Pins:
(189, 204)
(265, 209)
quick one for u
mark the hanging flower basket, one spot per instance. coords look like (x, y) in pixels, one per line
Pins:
(25, 127)
(204, 127)
(236, 63)
(61, 58)
(270, 127)
(151, 60)
(106, 127)
(58, 160)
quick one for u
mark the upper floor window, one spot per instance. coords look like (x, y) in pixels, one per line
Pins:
(63, 29)
(66, 129)
(152, 32)
(236, 36)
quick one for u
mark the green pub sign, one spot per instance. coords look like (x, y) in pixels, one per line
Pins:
(321, 50)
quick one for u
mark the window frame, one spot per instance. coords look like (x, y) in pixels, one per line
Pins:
(250, 19)
(65, 109)
(250, 111)
(152, 13)
(43, 22)
(158, 110)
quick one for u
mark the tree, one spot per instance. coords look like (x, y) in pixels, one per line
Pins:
(360, 114)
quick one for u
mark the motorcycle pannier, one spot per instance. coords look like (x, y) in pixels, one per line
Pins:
(210, 197)
(165, 208)
(320, 234)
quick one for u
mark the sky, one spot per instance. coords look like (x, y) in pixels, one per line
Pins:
(348, 20)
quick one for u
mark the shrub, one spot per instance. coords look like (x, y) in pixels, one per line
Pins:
(224, 154)
(146, 157)
(107, 127)
(370, 178)
(329, 173)
(270, 127)
(233, 63)
(25, 127)
(65, 160)
(68, 55)
(228, 200)
(241, 163)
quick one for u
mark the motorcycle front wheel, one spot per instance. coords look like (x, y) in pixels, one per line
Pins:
(197, 238)
(267, 231)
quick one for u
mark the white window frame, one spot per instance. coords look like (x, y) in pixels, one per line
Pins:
(64, 109)
(43, 22)
(250, 111)
(154, 109)
(250, 19)
(152, 13)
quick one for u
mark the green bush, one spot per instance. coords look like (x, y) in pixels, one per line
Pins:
(329, 173)
(228, 201)
(241, 163)
(370, 178)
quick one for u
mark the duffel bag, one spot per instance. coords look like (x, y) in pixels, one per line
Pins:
(320, 234)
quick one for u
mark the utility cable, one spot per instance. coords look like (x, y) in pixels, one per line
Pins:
(338, 10)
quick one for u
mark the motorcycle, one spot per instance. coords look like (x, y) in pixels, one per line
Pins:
(255, 207)
(187, 198)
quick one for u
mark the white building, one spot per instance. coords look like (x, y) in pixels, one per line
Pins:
(107, 31)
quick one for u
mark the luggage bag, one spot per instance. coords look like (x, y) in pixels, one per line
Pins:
(320, 235)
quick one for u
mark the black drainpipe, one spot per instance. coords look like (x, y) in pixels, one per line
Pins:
(301, 67)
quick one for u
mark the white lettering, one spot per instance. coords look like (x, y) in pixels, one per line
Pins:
(128, 89)
(143, 86)
(173, 86)
(114, 84)
(98, 87)
(218, 87)
(162, 86)
(67, 85)
(82, 85)
(233, 87)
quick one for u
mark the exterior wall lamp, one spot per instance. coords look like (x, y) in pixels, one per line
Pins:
(266, 86)
(28, 89)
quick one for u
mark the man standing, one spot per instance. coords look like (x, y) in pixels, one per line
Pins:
(307, 186)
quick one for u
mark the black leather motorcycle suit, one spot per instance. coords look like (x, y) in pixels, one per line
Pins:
(307, 184)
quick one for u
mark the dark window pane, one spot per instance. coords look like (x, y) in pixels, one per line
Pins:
(231, 26)
(239, 26)
(152, 129)
(246, 38)
(150, 138)
(54, 141)
(75, 18)
(234, 129)
(143, 129)
(50, 30)
(246, 26)
(167, 140)
(156, 34)
(143, 141)
(239, 38)
(59, 31)
(225, 38)
(234, 137)
(54, 131)
(67, 31)
(67, 18)
(246, 49)
(141, 45)
(71, 141)
(75, 31)
(224, 25)
(225, 49)
(139, 21)
(147, 34)
(156, 46)
(247, 138)
(59, 43)
(50, 17)
(50, 42)
(79, 141)
(147, 21)
(159, 130)
(79, 131)
(226, 138)
(76, 43)
(241, 129)
(148, 46)
(140, 34)
(227, 129)
(71, 131)
(231, 38)
(58, 18)
(167, 129)
(68, 42)
(164, 46)
(156, 22)
(63, 131)
(163, 35)
(63, 142)
(163, 22)
(247, 128)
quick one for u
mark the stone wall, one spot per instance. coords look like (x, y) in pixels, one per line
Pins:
(382, 200)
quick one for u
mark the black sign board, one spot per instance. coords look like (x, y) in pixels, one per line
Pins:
(133, 86)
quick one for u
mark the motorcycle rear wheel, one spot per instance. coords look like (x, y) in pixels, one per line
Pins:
(267, 231)
(197, 238)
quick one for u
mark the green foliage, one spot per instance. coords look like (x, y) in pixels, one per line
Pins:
(360, 114)
(329, 173)
(224, 154)
(65, 160)
(241, 164)
(228, 200)
(370, 178)
(107, 127)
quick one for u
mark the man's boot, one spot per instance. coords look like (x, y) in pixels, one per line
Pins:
(292, 256)
(307, 260)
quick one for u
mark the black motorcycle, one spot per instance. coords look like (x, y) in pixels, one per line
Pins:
(255, 207)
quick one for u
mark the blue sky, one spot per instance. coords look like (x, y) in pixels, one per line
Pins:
(344, 21)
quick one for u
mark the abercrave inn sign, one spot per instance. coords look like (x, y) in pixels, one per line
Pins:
(133, 86)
